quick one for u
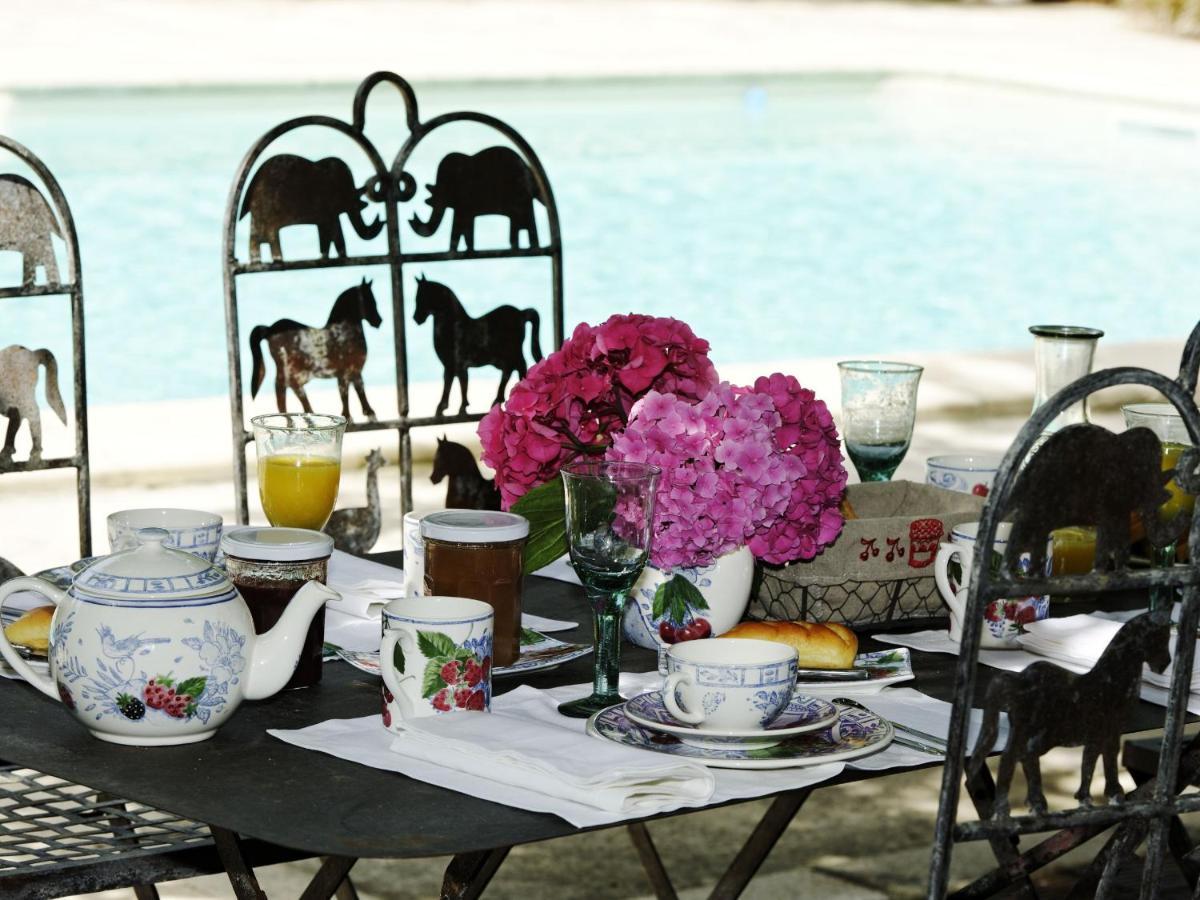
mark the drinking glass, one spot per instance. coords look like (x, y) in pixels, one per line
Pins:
(1166, 423)
(299, 467)
(610, 510)
(879, 405)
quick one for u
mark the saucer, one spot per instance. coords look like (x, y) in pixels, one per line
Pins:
(857, 733)
(883, 667)
(800, 715)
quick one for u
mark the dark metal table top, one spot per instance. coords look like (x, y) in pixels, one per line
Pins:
(246, 781)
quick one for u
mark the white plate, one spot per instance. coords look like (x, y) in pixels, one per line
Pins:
(886, 667)
(538, 652)
(857, 733)
(800, 715)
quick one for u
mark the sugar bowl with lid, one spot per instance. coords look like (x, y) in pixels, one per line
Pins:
(154, 646)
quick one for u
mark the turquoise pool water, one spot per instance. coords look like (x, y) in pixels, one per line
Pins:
(781, 218)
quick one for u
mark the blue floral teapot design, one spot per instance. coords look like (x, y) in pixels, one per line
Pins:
(154, 646)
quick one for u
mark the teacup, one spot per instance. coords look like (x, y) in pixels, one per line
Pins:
(435, 657)
(1003, 620)
(729, 684)
(966, 473)
(191, 530)
(414, 556)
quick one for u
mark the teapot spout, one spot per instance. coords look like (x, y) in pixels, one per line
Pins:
(277, 652)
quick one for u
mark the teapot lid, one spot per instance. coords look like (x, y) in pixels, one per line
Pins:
(152, 575)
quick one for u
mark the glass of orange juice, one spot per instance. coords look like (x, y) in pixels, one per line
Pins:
(299, 466)
(1168, 425)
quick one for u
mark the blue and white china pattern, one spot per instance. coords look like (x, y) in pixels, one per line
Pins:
(538, 652)
(884, 667)
(730, 683)
(858, 733)
(800, 715)
(190, 530)
(725, 586)
(159, 648)
(965, 473)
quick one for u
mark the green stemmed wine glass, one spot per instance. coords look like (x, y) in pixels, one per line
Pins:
(610, 510)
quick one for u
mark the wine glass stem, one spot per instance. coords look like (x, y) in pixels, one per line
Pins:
(606, 624)
(1164, 558)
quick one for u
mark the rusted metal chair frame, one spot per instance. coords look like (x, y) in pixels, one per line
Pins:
(73, 288)
(392, 179)
(1149, 810)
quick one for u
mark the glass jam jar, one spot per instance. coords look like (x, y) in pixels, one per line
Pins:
(479, 554)
(268, 566)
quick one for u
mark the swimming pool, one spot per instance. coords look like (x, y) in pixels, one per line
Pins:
(782, 218)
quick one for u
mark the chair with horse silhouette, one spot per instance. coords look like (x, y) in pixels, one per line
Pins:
(34, 215)
(1081, 475)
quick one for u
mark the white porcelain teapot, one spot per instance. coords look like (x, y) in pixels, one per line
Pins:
(155, 646)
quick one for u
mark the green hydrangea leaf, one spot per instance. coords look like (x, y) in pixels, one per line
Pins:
(545, 509)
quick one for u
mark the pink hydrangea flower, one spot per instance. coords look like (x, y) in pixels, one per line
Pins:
(758, 466)
(577, 398)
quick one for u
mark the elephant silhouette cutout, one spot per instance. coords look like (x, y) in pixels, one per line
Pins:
(18, 383)
(291, 190)
(26, 224)
(1086, 475)
(493, 182)
(461, 342)
(301, 353)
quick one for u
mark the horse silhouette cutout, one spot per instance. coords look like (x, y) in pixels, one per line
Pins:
(461, 342)
(18, 384)
(291, 190)
(466, 487)
(301, 353)
(1086, 475)
(1096, 705)
(495, 181)
(356, 530)
(8, 571)
(26, 224)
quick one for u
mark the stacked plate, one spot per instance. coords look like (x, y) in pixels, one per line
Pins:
(809, 731)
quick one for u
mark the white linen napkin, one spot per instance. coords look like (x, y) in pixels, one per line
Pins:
(365, 586)
(523, 746)
(365, 740)
(1080, 640)
(908, 706)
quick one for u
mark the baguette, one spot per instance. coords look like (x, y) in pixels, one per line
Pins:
(32, 630)
(818, 646)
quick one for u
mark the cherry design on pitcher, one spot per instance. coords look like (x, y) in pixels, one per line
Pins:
(679, 603)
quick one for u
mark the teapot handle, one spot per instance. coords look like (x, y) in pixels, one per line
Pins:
(56, 596)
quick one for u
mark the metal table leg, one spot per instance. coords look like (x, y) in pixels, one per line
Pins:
(759, 845)
(651, 862)
(469, 873)
(241, 876)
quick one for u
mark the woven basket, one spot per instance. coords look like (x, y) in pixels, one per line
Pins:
(880, 569)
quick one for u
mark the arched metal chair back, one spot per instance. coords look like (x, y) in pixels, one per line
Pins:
(29, 216)
(390, 185)
(1082, 466)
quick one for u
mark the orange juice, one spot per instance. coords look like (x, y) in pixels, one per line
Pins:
(1074, 550)
(298, 491)
(1179, 502)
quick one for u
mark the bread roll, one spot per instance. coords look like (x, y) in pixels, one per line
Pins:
(32, 630)
(829, 646)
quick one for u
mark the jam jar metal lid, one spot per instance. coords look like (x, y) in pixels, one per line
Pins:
(275, 544)
(151, 572)
(474, 526)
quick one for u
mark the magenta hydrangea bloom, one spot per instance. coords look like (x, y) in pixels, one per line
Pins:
(577, 398)
(758, 466)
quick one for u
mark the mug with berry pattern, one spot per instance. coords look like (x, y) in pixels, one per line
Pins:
(435, 657)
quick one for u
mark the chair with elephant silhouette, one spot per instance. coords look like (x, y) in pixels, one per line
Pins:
(1107, 640)
(36, 223)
